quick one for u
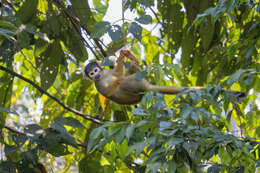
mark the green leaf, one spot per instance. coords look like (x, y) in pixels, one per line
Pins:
(69, 121)
(119, 137)
(188, 44)
(115, 32)
(10, 149)
(172, 166)
(63, 134)
(7, 25)
(27, 11)
(8, 167)
(123, 149)
(155, 167)
(59, 150)
(142, 123)
(186, 111)
(20, 139)
(144, 19)
(140, 75)
(234, 78)
(214, 169)
(175, 141)
(7, 34)
(74, 43)
(207, 30)
(147, 99)
(130, 131)
(139, 112)
(136, 30)
(94, 137)
(107, 62)
(51, 61)
(24, 39)
(8, 110)
(147, 3)
(101, 6)
(165, 125)
(91, 164)
(82, 10)
(100, 28)
(139, 147)
(30, 156)
(32, 128)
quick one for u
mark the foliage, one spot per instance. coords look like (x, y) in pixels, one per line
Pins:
(51, 115)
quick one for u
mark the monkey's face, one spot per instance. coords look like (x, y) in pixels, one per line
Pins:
(94, 73)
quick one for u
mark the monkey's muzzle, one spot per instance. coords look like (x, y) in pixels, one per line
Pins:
(97, 77)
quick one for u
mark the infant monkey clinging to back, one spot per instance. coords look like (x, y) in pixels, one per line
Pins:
(123, 88)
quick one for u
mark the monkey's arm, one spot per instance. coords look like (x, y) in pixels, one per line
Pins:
(119, 69)
(127, 53)
(134, 61)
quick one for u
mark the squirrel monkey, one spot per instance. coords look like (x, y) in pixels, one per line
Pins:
(121, 87)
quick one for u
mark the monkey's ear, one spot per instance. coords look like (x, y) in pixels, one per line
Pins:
(87, 77)
(83, 73)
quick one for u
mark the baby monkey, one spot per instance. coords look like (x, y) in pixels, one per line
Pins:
(120, 86)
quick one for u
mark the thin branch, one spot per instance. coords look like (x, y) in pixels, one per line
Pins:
(123, 25)
(87, 117)
(76, 20)
(25, 134)
(156, 16)
(15, 131)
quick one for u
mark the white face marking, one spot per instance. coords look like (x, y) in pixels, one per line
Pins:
(94, 72)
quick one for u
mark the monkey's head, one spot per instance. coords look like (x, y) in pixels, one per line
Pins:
(93, 71)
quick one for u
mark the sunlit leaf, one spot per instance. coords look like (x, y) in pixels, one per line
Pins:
(129, 131)
(115, 32)
(99, 29)
(69, 121)
(27, 11)
(234, 78)
(51, 61)
(136, 30)
(144, 19)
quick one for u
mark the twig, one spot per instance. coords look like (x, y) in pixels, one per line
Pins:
(25, 134)
(123, 19)
(87, 117)
(14, 131)
(154, 13)
(73, 18)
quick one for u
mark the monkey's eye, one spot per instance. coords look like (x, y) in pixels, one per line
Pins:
(96, 70)
(91, 74)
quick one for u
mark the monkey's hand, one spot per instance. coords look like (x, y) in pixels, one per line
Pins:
(127, 53)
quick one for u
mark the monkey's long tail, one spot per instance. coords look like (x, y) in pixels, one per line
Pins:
(176, 90)
(170, 90)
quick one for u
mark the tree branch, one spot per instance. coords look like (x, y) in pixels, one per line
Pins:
(25, 134)
(14, 131)
(76, 20)
(87, 117)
